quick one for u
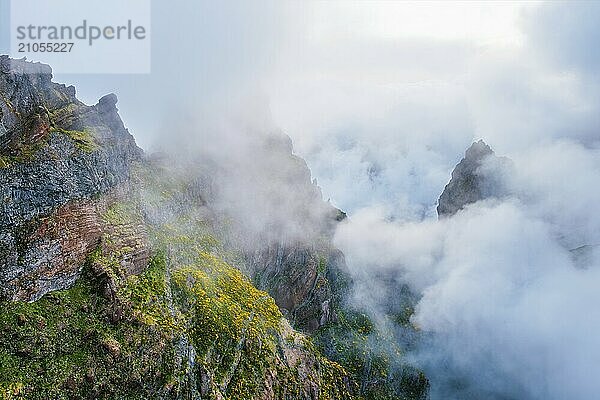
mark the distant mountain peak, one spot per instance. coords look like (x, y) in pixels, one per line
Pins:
(478, 150)
(468, 184)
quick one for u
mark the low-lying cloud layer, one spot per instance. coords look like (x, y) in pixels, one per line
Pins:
(504, 309)
(508, 286)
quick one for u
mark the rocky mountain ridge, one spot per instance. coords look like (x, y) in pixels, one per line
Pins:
(78, 244)
(57, 154)
(119, 280)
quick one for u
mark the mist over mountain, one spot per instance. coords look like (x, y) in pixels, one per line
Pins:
(203, 272)
(334, 200)
(503, 283)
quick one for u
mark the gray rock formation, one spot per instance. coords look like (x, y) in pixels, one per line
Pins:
(470, 182)
(302, 280)
(57, 156)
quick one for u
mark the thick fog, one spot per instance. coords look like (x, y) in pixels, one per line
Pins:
(507, 308)
(244, 170)
(509, 286)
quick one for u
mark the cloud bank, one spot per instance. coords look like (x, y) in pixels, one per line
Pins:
(508, 287)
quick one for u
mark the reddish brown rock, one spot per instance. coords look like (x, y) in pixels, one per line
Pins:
(60, 160)
(56, 249)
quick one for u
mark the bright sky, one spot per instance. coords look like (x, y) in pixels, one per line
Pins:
(494, 22)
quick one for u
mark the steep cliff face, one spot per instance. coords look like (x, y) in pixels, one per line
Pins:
(297, 271)
(298, 279)
(262, 202)
(57, 157)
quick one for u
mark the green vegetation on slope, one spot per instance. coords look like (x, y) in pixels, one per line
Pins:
(372, 358)
(24, 153)
(84, 140)
(25, 150)
(75, 344)
(229, 317)
(190, 324)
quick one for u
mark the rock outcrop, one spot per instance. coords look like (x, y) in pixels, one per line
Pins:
(57, 158)
(298, 278)
(470, 182)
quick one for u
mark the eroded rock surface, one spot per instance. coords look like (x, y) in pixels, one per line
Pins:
(479, 175)
(58, 157)
(299, 279)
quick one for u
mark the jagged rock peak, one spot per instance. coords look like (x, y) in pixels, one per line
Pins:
(467, 184)
(108, 101)
(22, 66)
(477, 151)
